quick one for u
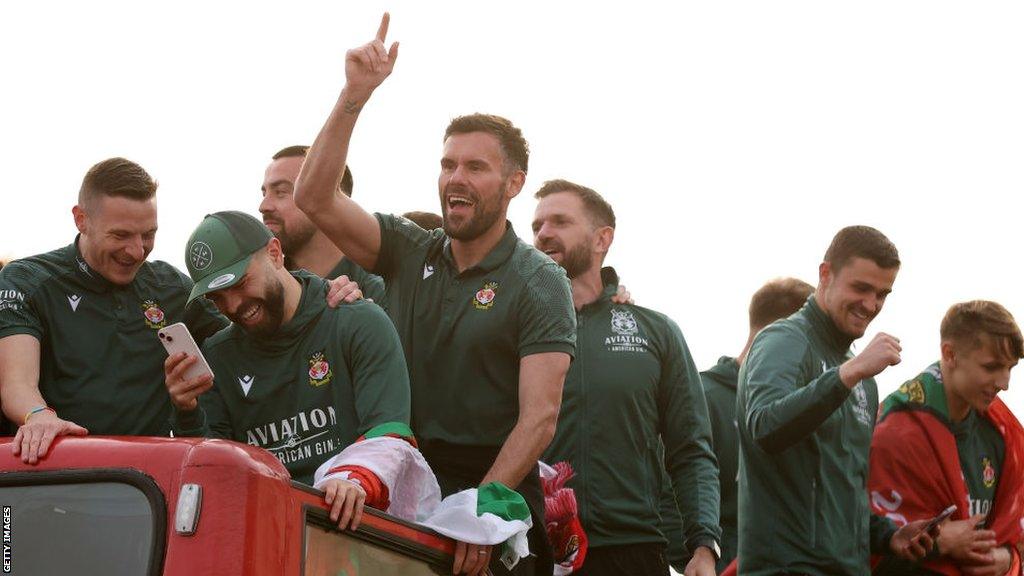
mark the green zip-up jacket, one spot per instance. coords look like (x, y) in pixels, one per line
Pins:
(371, 284)
(632, 386)
(804, 442)
(305, 393)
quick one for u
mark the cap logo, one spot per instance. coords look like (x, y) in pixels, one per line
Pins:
(219, 281)
(200, 255)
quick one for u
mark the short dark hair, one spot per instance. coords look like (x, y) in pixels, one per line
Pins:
(117, 177)
(964, 324)
(425, 220)
(513, 145)
(599, 210)
(861, 242)
(300, 151)
(779, 298)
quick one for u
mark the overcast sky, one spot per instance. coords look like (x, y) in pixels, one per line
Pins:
(732, 138)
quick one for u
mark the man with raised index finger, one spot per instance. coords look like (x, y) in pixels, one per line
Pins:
(806, 407)
(486, 321)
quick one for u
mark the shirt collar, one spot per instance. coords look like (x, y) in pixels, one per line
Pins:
(824, 325)
(91, 278)
(495, 258)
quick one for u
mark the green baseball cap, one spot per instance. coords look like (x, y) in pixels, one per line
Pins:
(219, 251)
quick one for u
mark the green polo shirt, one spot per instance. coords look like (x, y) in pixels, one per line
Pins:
(101, 363)
(308, 391)
(465, 333)
(371, 284)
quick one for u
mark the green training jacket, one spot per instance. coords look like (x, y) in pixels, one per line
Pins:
(632, 385)
(804, 442)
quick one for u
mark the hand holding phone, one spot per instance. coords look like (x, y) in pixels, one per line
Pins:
(938, 519)
(186, 372)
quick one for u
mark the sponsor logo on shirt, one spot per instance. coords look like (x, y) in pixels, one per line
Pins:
(319, 369)
(292, 439)
(11, 300)
(153, 314)
(246, 383)
(860, 406)
(625, 335)
(200, 255)
(428, 271)
(988, 474)
(484, 298)
(74, 299)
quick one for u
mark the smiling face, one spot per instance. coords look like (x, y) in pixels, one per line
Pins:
(256, 302)
(117, 235)
(974, 373)
(473, 185)
(563, 231)
(854, 295)
(289, 224)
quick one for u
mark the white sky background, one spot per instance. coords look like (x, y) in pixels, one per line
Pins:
(732, 138)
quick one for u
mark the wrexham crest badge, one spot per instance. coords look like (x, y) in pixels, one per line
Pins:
(988, 474)
(319, 369)
(153, 314)
(484, 298)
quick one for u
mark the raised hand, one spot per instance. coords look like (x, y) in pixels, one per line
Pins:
(368, 65)
(883, 351)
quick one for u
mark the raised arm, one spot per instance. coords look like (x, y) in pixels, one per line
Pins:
(351, 228)
(19, 394)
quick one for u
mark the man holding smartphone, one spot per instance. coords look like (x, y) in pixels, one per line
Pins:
(946, 438)
(290, 374)
(78, 347)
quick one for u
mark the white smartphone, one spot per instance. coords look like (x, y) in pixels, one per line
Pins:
(176, 338)
(938, 519)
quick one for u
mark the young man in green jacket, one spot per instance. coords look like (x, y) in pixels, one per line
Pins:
(632, 389)
(291, 375)
(305, 246)
(806, 408)
(777, 299)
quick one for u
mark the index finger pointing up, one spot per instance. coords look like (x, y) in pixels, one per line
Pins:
(382, 32)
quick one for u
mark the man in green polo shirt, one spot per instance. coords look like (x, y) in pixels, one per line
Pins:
(632, 389)
(78, 346)
(306, 247)
(290, 374)
(485, 320)
(806, 408)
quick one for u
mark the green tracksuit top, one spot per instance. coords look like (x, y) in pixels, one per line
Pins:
(371, 284)
(327, 376)
(633, 386)
(804, 442)
(101, 364)
(464, 333)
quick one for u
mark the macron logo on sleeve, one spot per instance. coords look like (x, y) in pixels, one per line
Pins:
(428, 271)
(74, 300)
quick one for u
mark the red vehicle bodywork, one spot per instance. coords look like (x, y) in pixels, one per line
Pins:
(252, 518)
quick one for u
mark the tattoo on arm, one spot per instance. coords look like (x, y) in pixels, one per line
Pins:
(352, 107)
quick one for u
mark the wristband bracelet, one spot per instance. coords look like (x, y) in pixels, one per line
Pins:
(37, 410)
